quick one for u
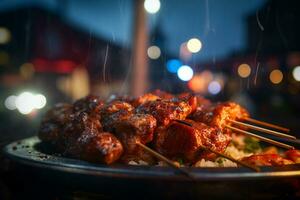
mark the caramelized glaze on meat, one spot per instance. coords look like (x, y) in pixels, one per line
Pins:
(144, 98)
(267, 160)
(293, 154)
(53, 123)
(136, 128)
(85, 139)
(165, 111)
(184, 141)
(114, 112)
(218, 115)
(103, 148)
(89, 104)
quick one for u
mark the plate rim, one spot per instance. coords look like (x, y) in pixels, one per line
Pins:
(136, 172)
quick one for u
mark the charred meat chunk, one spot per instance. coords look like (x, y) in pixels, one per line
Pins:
(141, 126)
(89, 104)
(136, 128)
(102, 148)
(219, 114)
(113, 113)
(165, 110)
(185, 140)
(144, 98)
(52, 125)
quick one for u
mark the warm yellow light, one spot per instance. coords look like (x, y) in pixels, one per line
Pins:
(244, 70)
(154, 52)
(27, 70)
(276, 76)
(4, 35)
(194, 45)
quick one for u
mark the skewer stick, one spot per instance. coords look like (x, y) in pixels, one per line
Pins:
(260, 137)
(267, 124)
(163, 158)
(255, 168)
(282, 135)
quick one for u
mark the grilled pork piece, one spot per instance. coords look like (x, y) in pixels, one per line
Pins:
(165, 111)
(53, 123)
(267, 160)
(180, 140)
(218, 114)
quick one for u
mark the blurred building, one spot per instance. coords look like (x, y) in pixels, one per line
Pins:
(40, 46)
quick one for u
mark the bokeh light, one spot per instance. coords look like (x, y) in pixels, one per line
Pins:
(185, 73)
(296, 73)
(194, 45)
(10, 102)
(4, 35)
(39, 101)
(276, 76)
(184, 53)
(200, 81)
(214, 87)
(173, 65)
(25, 103)
(152, 6)
(154, 52)
(244, 70)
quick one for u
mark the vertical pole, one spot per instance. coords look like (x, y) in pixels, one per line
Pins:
(140, 41)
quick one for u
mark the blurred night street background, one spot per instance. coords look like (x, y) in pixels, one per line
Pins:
(60, 50)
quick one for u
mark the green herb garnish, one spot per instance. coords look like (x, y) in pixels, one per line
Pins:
(251, 145)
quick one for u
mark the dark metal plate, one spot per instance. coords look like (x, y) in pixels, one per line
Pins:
(30, 153)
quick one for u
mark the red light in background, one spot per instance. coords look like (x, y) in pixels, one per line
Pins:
(62, 66)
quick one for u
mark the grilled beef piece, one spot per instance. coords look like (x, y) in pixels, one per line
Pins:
(89, 104)
(103, 147)
(114, 112)
(141, 126)
(267, 160)
(52, 125)
(85, 139)
(136, 128)
(219, 114)
(165, 111)
(118, 118)
(185, 139)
